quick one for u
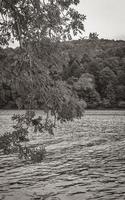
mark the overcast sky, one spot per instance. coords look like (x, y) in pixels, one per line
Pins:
(106, 17)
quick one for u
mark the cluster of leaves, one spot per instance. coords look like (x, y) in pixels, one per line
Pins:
(31, 20)
(17, 140)
(93, 36)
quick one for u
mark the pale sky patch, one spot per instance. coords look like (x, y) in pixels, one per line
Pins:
(106, 17)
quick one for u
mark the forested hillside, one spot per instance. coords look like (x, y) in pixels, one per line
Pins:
(93, 69)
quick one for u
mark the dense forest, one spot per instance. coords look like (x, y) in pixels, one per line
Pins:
(94, 69)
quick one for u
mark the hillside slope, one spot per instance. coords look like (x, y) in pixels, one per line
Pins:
(94, 69)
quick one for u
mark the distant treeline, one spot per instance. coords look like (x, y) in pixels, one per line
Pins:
(94, 69)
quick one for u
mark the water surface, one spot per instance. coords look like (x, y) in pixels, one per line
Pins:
(85, 160)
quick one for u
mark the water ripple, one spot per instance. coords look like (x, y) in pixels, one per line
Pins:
(85, 160)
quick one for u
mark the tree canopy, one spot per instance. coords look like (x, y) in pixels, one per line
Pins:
(39, 25)
(31, 20)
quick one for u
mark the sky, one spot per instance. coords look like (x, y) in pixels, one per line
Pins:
(106, 17)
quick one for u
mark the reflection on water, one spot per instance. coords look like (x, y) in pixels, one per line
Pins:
(85, 160)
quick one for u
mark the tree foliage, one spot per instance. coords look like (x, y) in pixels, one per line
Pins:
(93, 36)
(66, 63)
(39, 25)
(31, 20)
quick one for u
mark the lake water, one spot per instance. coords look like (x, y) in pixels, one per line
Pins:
(85, 160)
